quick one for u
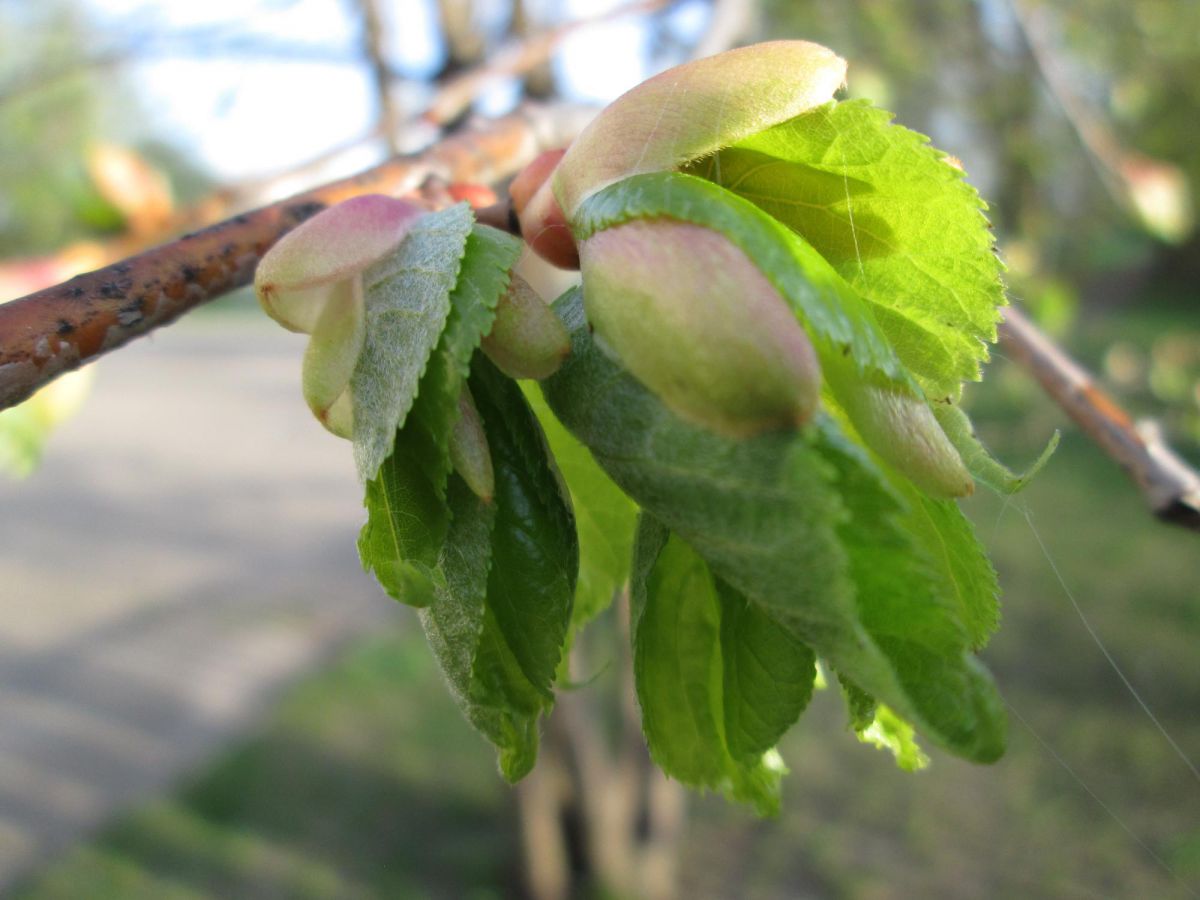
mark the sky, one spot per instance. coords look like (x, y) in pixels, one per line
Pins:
(243, 114)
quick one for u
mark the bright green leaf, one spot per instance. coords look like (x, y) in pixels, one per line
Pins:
(911, 617)
(893, 217)
(604, 515)
(705, 668)
(959, 561)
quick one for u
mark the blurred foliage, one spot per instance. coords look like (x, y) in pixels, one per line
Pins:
(368, 783)
(54, 107)
(25, 428)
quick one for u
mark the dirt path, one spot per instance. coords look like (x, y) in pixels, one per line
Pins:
(185, 550)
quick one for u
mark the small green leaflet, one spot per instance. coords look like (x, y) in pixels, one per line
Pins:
(840, 325)
(801, 524)
(718, 680)
(407, 516)
(407, 296)
(958, 560)
(893, 217)
(604, 515)
(887, 731)
(904, 604)
(947, 538)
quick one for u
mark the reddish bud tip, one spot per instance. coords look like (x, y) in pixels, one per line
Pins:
(543, 224)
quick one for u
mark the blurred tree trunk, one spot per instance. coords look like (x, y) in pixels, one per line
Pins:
(539, 83)
(465, 44)
(596, 813)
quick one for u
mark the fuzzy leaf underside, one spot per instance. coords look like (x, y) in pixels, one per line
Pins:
(407, 297)
(494, 581)
(804, 525)
(505, 580)
(480, 669)
(407, 516)
(893, 217)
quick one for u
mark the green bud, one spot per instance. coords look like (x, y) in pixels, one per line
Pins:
(527, 339)
(469, 451)
(687, 313)
(902, 429)
(332, 353)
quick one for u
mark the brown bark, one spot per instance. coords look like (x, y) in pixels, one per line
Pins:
(60, 328)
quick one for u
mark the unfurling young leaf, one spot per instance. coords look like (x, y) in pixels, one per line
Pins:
(718, 679)
(499, 615)
(311, 281)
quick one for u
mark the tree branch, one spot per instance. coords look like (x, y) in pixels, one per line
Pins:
(381, 76)
(60, 328)
(517, 57)
(1168, 484)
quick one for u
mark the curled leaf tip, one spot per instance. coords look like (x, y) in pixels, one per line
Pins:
(983, 466)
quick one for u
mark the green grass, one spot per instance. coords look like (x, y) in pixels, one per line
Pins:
(367, 783)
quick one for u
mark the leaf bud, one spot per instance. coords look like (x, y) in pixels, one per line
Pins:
(311, 282)
(693, 110)
(543, 225)
(902, 429)
(691, 317)
(527, 339)
(469, 451)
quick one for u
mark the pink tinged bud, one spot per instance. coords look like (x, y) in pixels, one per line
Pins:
(527, 339)
(543, 225)
(337, 340)
(311, 282)
(693, 110)
(688, 314)
(296, 277)
(902, 429)
(469, 452)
